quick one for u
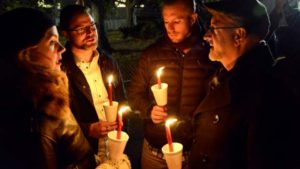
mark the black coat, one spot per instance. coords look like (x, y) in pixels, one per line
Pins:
(16, 136)
(63, 143)
(82, 105)
(226, 122)
(38, 131)
(187, 76)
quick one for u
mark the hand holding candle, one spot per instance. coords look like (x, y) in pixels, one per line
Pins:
(168, 133)
(110, 78)
(120, 121)
(158, 73)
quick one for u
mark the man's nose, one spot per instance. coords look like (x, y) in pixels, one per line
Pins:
(170, 26)
(207, 35)
(88, 30)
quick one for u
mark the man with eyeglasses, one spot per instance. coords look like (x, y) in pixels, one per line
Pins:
(88, 70)
(243, 122)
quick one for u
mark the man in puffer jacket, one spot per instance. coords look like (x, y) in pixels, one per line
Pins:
(187, 70)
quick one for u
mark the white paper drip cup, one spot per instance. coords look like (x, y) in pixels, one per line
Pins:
(116, 146)
(111, 111)
(160, 95)
(173, 159)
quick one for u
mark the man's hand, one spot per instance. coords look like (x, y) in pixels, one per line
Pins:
(159, 114)
(100, 129)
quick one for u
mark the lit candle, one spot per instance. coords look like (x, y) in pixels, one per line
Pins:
(120, 121)
(158, 73)
(110, 78)
(168, 133)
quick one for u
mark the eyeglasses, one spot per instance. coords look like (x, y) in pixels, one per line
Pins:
(85, 29)
(212, 29)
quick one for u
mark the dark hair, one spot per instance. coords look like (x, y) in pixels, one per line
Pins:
(68, 12)
(189, 4)
(250, 14)
(22, 28)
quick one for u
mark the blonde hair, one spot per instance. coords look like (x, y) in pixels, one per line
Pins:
(46, 87)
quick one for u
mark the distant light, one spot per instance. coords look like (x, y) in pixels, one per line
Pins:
(142, 5)
(58, 5)
(119, 5)
(43, 4)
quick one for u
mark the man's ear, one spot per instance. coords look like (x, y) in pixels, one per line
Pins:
(194, 18)
(240, 36)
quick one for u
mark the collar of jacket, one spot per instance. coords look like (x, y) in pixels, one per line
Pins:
(258, 59)
(189, 42)
(218, 97)
(254, 64)
(69, 64)
(75, 75)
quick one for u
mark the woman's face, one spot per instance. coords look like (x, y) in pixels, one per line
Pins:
(48, 51)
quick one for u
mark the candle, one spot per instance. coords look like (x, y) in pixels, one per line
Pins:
(158, 73)
(110, 78)
(120, 121)
(168, 133)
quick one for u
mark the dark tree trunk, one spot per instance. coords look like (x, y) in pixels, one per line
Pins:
(129, 12)
(103, 41)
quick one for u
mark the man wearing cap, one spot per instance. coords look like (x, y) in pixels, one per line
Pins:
(236, 125)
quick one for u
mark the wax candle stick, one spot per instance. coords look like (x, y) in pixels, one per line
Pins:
(120, 120)
(110, 90)
(158, 73)
(168, 133)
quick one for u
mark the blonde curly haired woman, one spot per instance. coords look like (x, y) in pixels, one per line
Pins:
(37, 127)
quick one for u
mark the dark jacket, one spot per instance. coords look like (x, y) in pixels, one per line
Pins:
(63, 143)
(40, 132)
(186, 76)
(82, 105)
(15, 127)
(236, 124)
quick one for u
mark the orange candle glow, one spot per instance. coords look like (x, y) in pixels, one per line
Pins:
(110, 78)
(158, 73)
(120, 121)
(168, 133)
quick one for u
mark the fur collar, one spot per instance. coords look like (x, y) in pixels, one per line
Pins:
(48, 89)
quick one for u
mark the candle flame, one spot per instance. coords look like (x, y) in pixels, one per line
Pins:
(110, 78)
(159, 71)
(123, 109)
(170, 121)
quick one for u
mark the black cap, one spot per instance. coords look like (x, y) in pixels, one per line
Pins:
(243, 8)
(21, 28)
(252, 12)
